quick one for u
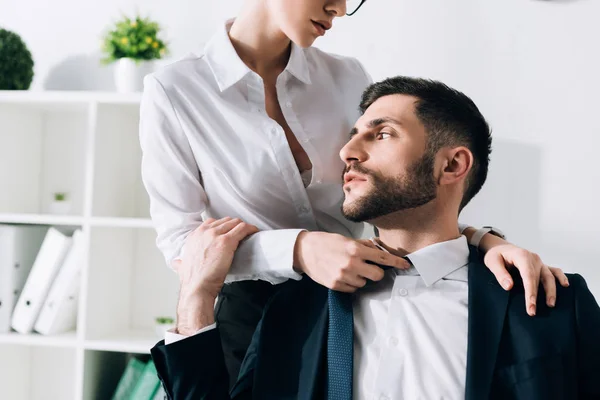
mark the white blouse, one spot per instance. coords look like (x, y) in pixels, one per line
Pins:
(211, 150)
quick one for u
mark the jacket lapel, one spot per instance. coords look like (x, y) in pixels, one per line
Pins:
(293, 334)
(311, 381)
(488, 302)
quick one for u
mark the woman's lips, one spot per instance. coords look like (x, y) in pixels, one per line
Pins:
(320, 28)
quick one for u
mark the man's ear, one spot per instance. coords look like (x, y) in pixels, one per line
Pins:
(457, 163)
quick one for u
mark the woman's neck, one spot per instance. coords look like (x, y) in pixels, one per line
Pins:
(261, 45)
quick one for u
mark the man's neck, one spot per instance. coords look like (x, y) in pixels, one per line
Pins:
(406, 232)
(260, 45)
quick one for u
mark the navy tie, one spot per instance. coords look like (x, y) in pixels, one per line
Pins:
(340, 346)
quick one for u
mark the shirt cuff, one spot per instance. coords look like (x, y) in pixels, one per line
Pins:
(266, 256)
(171, 336)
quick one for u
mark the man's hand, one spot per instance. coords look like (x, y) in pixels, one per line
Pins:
(532, 270)
(207, 256)
(340, 263)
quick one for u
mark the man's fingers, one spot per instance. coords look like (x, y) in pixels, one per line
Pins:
(240, 231)
(218, 222)
(549, 286)
(560, 275)
(176, 264)
(226, 226)
(380, 257)
(495, 262)
(206, 223)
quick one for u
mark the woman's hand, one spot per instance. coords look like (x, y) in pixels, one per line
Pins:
(340, 263)
(532, 270)
(207, 257)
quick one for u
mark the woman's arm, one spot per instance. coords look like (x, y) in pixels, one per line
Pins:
(500, 255)
(177, 199)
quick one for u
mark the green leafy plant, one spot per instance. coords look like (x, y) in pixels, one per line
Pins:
(164, 320)
(59, 196)
(16, 62)
(135, 38)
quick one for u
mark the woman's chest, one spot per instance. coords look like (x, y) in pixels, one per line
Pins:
(252, 139)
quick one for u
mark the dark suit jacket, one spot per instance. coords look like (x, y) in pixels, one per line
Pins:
(554, 355)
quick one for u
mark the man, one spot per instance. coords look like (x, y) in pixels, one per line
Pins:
(441, 329)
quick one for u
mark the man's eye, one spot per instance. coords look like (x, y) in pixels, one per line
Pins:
(383, 135)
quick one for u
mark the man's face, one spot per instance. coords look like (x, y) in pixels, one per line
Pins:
(388, 166)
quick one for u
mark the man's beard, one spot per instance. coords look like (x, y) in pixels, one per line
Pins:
(388, 195)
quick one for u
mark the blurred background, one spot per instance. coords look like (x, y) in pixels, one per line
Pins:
(532, 66)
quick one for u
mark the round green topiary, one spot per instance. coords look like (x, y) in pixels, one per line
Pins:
(16, 63)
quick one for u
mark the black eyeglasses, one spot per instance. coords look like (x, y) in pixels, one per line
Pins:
(352, 6)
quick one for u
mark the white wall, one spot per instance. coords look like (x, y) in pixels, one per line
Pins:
(532, 66)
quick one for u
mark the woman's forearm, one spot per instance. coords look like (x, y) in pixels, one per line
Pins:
(488, 240)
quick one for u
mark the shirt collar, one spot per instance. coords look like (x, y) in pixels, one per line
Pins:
(442, 260)
(228, 68)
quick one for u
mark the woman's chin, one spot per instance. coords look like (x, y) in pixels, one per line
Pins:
(304, 39)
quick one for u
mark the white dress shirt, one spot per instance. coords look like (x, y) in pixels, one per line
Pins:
(410, 329)
(211, 150)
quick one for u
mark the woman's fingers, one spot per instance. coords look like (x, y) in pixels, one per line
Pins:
(496, 264)
(381, 257)
(343, 287)
(560, 275)
(355, 281)
(549, 284)
(370, 271)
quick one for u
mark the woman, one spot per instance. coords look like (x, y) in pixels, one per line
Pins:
(251, 129)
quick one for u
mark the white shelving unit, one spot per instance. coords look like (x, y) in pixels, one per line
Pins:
(85, 144)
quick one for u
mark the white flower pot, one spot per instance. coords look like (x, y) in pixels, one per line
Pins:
(60, 207)
(129, 75)
(161, 329)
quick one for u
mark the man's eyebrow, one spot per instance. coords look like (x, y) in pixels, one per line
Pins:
(375, 123)
(378, 121)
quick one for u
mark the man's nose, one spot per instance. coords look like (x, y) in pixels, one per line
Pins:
(352, 152)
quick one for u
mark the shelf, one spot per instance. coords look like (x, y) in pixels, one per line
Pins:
(68, 339)
(74, 220)
(41, 219)
(67, 97)
(121, 222)
(37, 372)
(127, 342)
(84, 143)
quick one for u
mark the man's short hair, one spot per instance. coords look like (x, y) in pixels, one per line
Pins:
(450, 118)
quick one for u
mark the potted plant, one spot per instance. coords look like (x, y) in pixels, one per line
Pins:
(60, 204)
(162, 325)
(16, 62)
(133, 44)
